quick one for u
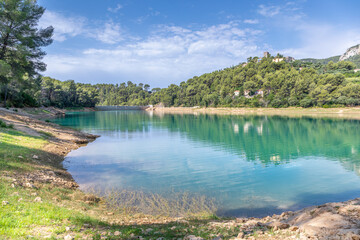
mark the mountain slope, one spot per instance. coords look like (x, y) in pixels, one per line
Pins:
(351, 52)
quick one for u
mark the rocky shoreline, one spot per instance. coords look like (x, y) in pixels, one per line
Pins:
(340, 220)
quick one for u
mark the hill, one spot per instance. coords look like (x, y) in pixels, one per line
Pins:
(324, 61)
(352, 54)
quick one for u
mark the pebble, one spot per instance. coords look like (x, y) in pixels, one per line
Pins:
(38, 199)
(35, 157)
(293, 228)
(4, 203)
(173, 228)
(20, 157)
(29, 185)
(240, 235)
(68, 237)
(67, 229)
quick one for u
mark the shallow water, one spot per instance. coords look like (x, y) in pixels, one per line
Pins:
(252, 165)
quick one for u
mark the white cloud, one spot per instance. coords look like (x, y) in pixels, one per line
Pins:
(111, 33)
(115, 9)
(251, 21)
(269, 11)
(68, 27)
(65, 27)
(170, 54)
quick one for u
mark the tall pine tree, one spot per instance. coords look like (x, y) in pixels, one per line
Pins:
(21, 41)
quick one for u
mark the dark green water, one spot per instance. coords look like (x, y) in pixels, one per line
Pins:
(253, 165)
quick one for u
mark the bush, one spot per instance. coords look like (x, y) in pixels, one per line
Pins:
(2, 124)
(306, 102)
(277, 103)
(293, 101)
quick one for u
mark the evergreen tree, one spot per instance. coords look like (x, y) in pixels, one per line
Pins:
(21, 41)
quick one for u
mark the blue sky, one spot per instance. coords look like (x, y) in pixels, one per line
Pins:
(160, 42)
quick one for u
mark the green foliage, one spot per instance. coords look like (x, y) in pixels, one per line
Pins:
(20, 49)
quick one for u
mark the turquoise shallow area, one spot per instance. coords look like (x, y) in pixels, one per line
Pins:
(252, 165)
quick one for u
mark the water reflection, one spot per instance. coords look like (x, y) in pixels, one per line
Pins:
(252, 164)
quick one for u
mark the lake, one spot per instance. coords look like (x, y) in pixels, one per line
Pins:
(251, 165)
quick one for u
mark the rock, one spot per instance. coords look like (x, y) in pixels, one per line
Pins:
(20, 157)
(35, 157)
(117, 233)
(173, 228)
(38, 199)
(193, 237)
(4, 203)
(68, 237)
(293, 228)
(110, 213)
(278, 225)
(13, 185)
(29, 185)
(355, 237)
(240, 235)
(67, 229)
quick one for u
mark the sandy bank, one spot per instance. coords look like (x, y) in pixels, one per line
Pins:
(351, 113)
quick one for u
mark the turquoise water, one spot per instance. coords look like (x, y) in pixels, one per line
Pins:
(252, 165)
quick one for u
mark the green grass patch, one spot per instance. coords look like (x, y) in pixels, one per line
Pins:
(17, 148)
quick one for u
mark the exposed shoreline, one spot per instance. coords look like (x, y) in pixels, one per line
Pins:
(346, 113)
(328, 221)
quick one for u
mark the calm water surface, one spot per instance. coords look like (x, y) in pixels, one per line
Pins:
(253, 165)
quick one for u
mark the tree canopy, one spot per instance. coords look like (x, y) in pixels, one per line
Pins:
(20, 45)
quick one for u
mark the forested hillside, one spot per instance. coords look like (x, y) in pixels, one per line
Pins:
(255, 83)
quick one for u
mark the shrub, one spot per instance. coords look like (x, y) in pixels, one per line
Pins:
(2, 124)
(306, 102)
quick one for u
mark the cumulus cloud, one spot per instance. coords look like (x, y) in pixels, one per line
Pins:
(115, 9)
(170, 54)
(251, 21)
(269, 11)
(65, 27)
(69, 27)
(111, 33)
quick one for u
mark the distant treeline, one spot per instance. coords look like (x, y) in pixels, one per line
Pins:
(256, 83)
